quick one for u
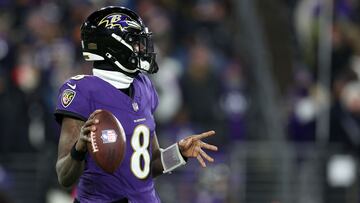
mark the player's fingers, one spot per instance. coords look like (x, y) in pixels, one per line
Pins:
(185, 143)
(182, 143)
(209, 146)
(85, 138)
(88, 129)
(91, 122)
(188, 143)
(201, 161)
(85, 134)
(204, 135)
(207, 157)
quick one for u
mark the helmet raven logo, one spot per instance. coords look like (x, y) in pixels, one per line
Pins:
(119, 20)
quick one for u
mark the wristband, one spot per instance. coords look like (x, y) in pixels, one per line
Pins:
(76, 155)
(171, 158)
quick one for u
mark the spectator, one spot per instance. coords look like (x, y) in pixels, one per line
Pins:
(201, 90)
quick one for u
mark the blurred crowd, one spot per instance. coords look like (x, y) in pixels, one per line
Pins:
(308, 97)
(202, 82)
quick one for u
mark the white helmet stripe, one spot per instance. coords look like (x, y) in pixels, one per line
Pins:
(118, 38)
(92, 57)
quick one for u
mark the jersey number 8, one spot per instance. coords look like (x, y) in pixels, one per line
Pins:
(140, 142)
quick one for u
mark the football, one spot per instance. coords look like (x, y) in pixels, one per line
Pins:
(108, 142)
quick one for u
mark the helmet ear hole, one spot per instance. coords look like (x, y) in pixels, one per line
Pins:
(130, 38)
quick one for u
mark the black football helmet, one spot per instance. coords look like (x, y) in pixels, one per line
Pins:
(119, 36)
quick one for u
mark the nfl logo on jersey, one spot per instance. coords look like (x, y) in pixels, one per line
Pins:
(108, 136)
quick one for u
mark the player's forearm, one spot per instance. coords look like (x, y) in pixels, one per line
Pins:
(69, 170)
(156, 165)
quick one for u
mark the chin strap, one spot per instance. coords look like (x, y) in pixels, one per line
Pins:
(117, 79)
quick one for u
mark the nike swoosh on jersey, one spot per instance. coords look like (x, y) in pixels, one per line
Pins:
(71, 86)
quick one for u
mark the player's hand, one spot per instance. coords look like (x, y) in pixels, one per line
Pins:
(192, 147)
(85, 131)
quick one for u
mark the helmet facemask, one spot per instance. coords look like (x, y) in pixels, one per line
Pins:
(143, 54)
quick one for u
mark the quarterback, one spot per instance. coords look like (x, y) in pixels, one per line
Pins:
(121, 48)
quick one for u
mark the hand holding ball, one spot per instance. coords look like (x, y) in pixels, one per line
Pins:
(108, 142)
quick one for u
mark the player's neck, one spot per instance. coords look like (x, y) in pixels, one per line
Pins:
(115, 78)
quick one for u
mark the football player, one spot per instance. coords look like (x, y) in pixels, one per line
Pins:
(120, 45)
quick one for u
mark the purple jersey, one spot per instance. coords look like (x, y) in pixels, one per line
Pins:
(79, 97)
